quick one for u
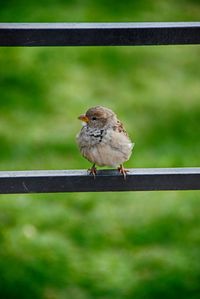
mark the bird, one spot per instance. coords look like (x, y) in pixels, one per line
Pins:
(103, 140)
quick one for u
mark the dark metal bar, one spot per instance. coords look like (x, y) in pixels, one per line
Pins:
(99, 34)
(106, 180)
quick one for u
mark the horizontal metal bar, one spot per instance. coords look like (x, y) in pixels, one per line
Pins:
(138, 179)
(99, 34)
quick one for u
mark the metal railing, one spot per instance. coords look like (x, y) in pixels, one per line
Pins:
(99, 34)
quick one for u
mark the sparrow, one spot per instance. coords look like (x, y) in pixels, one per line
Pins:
(103, 140)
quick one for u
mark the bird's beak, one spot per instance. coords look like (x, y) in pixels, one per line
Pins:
(84, 118)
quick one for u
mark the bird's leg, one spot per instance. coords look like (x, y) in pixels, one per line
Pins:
(122, 170)
(93, 170)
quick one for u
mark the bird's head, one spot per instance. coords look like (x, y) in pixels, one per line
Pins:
(98, 117)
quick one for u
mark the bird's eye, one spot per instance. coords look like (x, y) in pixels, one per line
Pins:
(94, 118)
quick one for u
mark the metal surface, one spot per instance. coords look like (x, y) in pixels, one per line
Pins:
(98, 34)
(106, 180)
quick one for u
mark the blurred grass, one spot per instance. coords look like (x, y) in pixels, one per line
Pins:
(113, 245)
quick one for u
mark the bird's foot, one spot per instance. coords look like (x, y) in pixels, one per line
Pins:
(92, 170)
(122, 170)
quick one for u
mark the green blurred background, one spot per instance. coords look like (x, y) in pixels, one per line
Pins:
(96, 245)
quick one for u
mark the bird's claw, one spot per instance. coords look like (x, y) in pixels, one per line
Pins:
(92, 171)
(122, 170)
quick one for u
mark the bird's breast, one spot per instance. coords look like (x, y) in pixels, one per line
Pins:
(104, 147)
